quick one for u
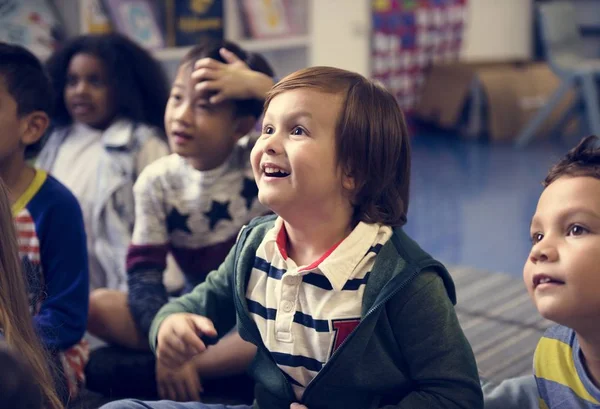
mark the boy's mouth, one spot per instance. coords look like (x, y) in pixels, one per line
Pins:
(545, 280)
(274, 171)
(178, 135)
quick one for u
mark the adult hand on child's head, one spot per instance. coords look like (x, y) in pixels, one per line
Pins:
(179, 338)
(233, 80)
(182, 384)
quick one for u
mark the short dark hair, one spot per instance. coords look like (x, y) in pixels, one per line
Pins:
(372, 141)
(139, 82)
(28, 83)
(582, 160)
(209, 48)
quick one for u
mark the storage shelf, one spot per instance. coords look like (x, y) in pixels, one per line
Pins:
(252, 45)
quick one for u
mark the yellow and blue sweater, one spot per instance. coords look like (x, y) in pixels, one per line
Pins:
(52, 248)
(560, 374)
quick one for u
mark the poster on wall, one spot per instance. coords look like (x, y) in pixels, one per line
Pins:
(185, 22)
(93, 19)
(267, 18)
(137, 20)
(408, 36)
(33, 24)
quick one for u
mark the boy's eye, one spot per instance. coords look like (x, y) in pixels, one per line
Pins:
(176, 97)
(577, 230)
(202, 106)
(268, 130)
(536, 238)
(298, 131)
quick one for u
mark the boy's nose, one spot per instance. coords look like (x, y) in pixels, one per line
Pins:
(182, 113)
(542, 253)
(272, 145)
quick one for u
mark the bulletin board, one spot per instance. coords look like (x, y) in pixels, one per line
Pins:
(408, 36)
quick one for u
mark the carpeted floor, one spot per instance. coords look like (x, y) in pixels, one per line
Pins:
(496, 314)
(500, 321)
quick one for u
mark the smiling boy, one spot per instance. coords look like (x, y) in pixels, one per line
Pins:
(345, 310)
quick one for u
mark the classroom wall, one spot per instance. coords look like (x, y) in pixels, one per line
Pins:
(498, 30)
(495, 30)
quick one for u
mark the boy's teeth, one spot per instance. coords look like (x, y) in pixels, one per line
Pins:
(278, 171)
(545, 280)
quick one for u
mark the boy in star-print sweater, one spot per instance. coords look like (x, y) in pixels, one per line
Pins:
(192, 204)
(195, 215)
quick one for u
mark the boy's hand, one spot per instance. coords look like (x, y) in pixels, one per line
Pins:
(179, 338)
(182, 385)
(297, 406)
(234, 80)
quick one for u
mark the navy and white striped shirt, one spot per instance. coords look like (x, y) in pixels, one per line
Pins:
(304, 313)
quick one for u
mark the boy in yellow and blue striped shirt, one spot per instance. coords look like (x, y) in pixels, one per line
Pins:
(562, 275)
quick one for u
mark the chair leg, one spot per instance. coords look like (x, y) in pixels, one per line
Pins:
(590, 98)
(575, 111)
(544, 112)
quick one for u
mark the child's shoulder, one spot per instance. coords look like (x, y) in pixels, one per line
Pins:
(560, 333)
(403, 265)
(167, 172)
(53, 195)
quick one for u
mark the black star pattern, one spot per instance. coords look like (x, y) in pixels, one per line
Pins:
(218, 211)
(249, 192)
(177, 221)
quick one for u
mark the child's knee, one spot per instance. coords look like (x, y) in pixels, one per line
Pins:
(103, 302)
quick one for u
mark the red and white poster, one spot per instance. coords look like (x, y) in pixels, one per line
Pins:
(408, 36)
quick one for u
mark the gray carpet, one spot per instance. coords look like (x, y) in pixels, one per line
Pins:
(500, 321)
(497, 316)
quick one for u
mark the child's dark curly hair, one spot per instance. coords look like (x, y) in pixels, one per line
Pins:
(139, 83)
(582, 160)
(209, 48)
(27, 82)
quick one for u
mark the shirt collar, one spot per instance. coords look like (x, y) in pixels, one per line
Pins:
(118, 135)
(339, 263)
(207, 176)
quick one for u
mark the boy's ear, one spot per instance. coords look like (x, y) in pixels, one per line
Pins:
(349, 185)
(348, 182)
(35, 124)
(244, 125)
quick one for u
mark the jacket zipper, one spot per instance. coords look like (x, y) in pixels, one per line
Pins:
(327, 365)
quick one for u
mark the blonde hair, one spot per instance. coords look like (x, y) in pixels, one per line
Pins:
(372, 141)
(15, 318)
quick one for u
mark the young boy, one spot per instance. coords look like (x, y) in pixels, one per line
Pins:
(562, 275)
(345, 310)
(191, 205)
(47, 216)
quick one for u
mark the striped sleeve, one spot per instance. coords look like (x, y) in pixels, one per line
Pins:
(560, 373)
